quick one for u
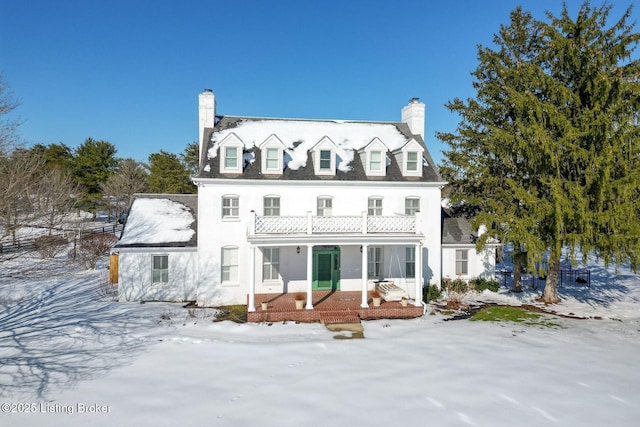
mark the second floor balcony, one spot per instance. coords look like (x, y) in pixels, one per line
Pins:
(349, 224)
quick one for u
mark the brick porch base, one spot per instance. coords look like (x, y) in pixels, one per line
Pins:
(328, 308)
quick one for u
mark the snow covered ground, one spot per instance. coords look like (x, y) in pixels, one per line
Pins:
(70, 356)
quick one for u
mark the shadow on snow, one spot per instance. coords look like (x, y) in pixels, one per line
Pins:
(65, 332)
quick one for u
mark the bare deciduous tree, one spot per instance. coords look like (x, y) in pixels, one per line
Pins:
(18, 186)
(56, 197)
(130, 178)
(8, 103)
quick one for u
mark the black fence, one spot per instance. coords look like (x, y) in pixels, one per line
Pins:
(27, 244)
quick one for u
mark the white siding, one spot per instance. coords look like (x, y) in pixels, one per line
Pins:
(135, 276)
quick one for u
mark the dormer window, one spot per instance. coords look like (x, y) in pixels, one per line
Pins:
(273, 159)
(231, 157)
(272, 150)
(374, 158)
(375, 161)
(325, 160)
(412, 161)
(324, 157)
(231, 149)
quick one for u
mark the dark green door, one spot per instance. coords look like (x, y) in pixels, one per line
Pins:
(326, 269)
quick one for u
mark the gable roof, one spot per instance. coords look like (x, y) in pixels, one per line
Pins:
(300, 135)
(161, 220)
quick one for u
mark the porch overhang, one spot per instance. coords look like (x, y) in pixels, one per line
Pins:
(334, 239)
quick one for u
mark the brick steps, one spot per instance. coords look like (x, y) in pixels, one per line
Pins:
(337, 317)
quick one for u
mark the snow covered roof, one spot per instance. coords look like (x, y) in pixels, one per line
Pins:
(161, 220)
(299, 136)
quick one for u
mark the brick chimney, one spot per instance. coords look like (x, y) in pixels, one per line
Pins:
(413, 115)
(206, 113)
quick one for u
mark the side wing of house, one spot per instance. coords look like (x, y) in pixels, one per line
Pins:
(460, 259)
(157, 251)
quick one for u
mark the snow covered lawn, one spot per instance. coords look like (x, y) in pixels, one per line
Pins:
(70, 356)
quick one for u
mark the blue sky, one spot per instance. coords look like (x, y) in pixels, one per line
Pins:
(129, 72)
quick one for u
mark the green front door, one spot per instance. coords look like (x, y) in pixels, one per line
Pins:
(326, 269)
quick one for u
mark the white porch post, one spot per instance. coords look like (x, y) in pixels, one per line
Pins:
(365, 299)
(309, 305)
(252, 278)
(418, 271)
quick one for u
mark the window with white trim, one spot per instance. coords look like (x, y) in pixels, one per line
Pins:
(410, 261)
(270, 263)
(411, 205)
(374, 261)
(160, 269)
(325, 159)
(230, 207)
(271, 206)
(324, 206)
(374, 207)
(462, 262)
(375, 161)
(231, 157)
(273, 159)
(412, 161)
(230, 264)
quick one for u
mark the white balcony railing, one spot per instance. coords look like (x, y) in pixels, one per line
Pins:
(311, 224)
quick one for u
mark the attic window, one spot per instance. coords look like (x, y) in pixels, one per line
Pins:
(325, 159)
(231, 157)
(412, 161)
(375, 161)
(273, 162)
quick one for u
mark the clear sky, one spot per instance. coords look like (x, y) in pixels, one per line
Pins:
(129, 72)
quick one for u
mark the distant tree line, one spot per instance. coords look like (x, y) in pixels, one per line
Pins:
(43, 184)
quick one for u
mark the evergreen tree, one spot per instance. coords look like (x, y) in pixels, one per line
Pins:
(58, 156)
(94, 163)
(191, 157)
(167, 174)
(547, 155)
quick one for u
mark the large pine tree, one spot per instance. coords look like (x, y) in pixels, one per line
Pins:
(547, 154)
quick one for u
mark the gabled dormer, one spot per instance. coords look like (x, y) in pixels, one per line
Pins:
(230, 151)
(410, 158)
(374, 158)
(272, 154)
(324, 154)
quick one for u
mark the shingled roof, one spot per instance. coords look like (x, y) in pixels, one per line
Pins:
(299, 135)
(161, 220)
(456, 229)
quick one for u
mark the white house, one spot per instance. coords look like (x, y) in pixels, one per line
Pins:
(293, 205)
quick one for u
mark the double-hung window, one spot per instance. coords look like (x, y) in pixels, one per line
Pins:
(231, 157)
(374, 261)
(230, 207)
(325, 160)
(324, 206)
(375, 161)
(273, 160)
(270, 263)
(412, 161)
(230, 264)
(374, 206)
(160, 269)
(410, 261)
(272, 206)
(411, 205)
(462, 262)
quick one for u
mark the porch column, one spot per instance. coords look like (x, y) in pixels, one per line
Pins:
(252, 278)
(309, 305)
(365, 300)
(418, 271)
